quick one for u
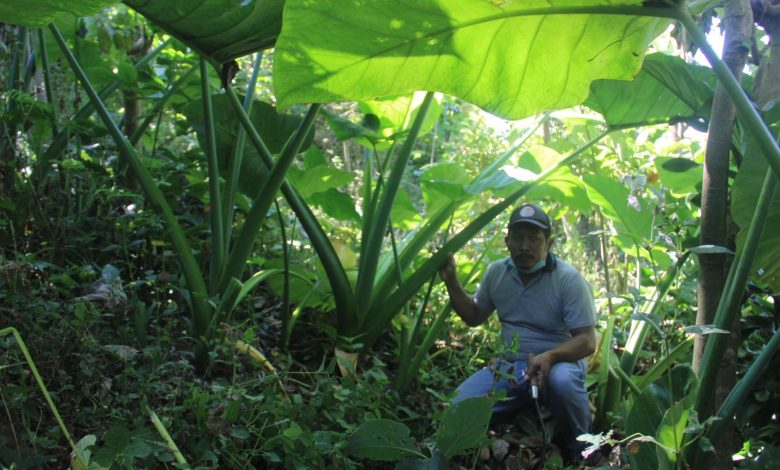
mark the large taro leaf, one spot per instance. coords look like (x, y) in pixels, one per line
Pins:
(564, 188)
(745, 191)
(667, 89)
(222, 30)
(512, 58)
(36, 13)
(273, 127)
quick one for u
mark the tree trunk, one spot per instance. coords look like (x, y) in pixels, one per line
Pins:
(8, 130)
(712, 267)
(738, 20)
(133, 104)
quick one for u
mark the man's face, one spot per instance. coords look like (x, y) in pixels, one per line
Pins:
(527, 245)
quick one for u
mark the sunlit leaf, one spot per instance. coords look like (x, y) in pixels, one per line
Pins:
(511, 58)
(443, 183)
(396, 114)
(667, 89)
(681, 175)
(565, 189)
(318, 179)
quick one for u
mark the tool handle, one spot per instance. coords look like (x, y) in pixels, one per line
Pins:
(534, 383)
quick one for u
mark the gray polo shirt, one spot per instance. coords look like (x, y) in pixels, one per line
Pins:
(541, 313)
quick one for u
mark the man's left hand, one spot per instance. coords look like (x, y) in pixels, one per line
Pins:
(539, 368)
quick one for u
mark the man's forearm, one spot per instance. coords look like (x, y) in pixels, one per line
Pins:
(580, 345)
(463, 304)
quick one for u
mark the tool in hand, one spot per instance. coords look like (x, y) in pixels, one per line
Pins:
(535, 396)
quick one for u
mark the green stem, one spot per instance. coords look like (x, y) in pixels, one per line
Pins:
(368, 192)
(639, 329)
(734, 400)
(160, 427)
(246, 238)
(746, 109)
(50, 98)
(61, 139)
(626, 380)
(410, 338)
(172, 89)
(26, 353)
(370, 251)
(286, 264)
(234, 167)
(340, 286)
(728, 307)
(218, 248)
(201, 309)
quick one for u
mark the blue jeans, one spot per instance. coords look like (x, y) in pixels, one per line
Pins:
(564, 393)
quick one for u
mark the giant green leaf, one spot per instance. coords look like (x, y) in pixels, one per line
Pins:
(221, 29)
(36, 13)
(513, 58)
(667, 89)
(745, 192)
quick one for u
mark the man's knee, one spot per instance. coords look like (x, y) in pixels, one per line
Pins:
(565, 378)
(478, 384)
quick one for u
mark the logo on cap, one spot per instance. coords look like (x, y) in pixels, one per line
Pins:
(527, 211)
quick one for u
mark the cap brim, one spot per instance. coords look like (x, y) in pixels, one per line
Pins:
(529, 221)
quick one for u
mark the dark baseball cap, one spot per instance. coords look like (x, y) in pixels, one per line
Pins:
(530, 214)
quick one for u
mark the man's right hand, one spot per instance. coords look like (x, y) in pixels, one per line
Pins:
(448, 272)
(462, 303)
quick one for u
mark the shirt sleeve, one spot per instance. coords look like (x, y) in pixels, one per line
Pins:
(482, 298)
(579, 309)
